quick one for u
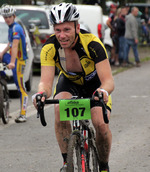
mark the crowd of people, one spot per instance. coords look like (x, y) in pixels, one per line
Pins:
(124, 33)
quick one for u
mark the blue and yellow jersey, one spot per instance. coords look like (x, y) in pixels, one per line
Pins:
(89, 49)
(16, 32)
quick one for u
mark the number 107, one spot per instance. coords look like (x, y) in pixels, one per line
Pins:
(75, 112)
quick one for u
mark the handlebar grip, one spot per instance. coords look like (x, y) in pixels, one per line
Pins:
(40, 110)
(105, 113)
(42, 118)
(104, 109)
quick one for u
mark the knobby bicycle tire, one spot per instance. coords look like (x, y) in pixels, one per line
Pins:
(1, 101)
(93, 160)
(74, 154)
(5, 115)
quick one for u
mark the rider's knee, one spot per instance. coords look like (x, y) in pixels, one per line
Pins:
(102, 130)
(57, 116)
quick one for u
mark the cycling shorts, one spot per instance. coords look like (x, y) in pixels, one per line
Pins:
(85, 91)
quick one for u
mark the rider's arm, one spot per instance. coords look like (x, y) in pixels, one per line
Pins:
(46, 82)
(14, 50)
(108, 22)
(104, 72)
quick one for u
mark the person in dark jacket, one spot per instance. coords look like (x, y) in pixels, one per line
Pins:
(121, 32)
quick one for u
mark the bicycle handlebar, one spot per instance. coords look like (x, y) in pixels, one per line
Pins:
(40, 107)
(3, 66)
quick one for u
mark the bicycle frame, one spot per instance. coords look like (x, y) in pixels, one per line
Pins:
(80, 129)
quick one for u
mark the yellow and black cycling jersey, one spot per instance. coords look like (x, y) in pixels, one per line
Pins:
(89, 49)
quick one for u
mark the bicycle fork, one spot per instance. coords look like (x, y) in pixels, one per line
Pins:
(84, 144)
(84, 150)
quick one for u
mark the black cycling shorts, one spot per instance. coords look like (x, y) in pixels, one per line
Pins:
(85, 91)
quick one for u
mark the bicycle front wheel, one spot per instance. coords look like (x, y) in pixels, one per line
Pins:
(1, 101)
(74, 154)
(92, 156)
(4, 101)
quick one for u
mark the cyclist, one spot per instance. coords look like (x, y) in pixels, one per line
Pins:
(17, 57)
(84, 68)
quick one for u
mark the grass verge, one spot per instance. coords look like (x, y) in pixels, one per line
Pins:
(122, 69)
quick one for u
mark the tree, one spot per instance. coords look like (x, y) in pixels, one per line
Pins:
(91, 2)
(27, 2)
(48, 2)
(71, 1)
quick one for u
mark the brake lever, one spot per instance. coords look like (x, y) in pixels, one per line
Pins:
(100, 96)
(40, 109)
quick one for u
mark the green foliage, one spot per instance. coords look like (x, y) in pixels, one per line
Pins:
(10, 2)
(71, 1)
(130, 1)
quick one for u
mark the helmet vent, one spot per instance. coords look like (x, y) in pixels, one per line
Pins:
(59, 14)
(66, 17)
(52, 18)
(77, 16)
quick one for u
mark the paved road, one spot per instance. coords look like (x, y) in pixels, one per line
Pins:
(130, 121)
(29, 147)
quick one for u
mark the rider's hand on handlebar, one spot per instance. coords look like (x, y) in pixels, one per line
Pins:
(11, 66)
(104, 92)
(42, 95)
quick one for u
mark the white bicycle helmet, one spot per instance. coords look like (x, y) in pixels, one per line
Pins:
(7, 10)
(64, 12)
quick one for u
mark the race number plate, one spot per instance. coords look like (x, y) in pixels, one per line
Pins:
(75, 109)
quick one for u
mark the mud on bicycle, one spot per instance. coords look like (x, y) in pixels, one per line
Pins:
(4, 95)
(82, 155)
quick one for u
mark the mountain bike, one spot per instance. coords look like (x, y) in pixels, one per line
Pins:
(82, 155)
(4, 95)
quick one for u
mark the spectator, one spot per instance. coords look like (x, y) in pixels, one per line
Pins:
(121, 33)
(145, 32)
(145, 15)
(131, 36)
(145, 21)
(110, 23)
(127, 8)
(115, 37)
(17, 57)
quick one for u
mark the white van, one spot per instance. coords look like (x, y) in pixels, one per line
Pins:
(91, 16)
